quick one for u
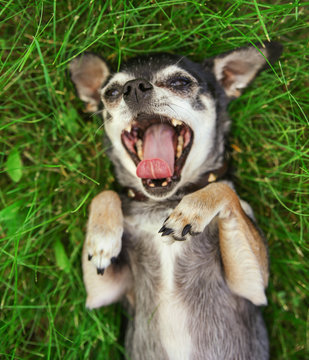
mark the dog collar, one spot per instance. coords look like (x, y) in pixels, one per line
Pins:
(207, 178)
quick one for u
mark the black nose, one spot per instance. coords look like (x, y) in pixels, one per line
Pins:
(135, 91)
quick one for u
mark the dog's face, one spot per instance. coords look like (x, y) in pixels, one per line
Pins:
(165, 115)
(161, 120)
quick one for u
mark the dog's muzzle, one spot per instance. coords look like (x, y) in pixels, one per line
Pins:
(136, 92)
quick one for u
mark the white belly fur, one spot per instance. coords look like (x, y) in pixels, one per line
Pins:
(172, 313)
(174, 333)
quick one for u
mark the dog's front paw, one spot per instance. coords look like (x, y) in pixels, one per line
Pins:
(195, 211)
(185, 221)
(103, 247)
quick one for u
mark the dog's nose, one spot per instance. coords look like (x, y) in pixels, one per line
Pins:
(135, 91)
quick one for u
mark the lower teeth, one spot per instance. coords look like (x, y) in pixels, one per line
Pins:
(139, 148)
(156, 182)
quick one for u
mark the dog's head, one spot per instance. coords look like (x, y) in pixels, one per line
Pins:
(166, 115)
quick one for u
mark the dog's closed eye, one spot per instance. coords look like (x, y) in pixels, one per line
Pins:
(179, 82)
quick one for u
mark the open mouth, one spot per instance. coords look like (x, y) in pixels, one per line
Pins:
(159, 147)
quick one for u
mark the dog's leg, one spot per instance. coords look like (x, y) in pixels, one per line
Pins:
(105, 280)
(243, 251)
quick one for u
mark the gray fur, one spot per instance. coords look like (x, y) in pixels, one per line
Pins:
(142, 338)
(220, 324)
(216, 315)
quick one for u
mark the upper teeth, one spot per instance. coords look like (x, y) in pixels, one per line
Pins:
(176, 122)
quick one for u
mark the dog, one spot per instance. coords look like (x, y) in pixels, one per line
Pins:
(177, 245)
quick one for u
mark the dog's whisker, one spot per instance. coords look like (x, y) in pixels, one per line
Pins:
(179, 60)
(187, 113)
(99, 128)
(98, 112)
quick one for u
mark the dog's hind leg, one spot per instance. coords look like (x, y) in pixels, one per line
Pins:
(106, 279)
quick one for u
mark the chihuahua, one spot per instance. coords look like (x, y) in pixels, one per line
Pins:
(178, 245)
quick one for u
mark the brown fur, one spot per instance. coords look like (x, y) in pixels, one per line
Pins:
(193, 294)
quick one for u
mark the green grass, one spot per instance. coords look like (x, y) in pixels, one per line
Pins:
(52, 159)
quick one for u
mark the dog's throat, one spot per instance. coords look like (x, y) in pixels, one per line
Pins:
(158, 153)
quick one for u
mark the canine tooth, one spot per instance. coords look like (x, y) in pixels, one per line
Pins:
(164, 183)
(179, 146)
(139, 148)
(152, 184)
(176, 122)
(128, 128)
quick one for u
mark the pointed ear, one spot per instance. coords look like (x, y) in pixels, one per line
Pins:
(236, 69)
(88, 73)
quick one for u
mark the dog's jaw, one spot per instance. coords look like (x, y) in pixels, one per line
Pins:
(196, 147)
(188, 116)
(174, 87)
(159, 147)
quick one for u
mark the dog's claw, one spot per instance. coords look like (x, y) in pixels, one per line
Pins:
(167, 231)
(89, 257)
(163, 228)
(100, 271)
(166, 220)
(186, 230)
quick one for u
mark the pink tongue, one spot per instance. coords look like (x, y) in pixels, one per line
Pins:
(159, 153)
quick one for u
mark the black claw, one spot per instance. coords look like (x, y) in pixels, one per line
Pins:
(162, 229)
(100, 271)
(114, 260)
(167, 231)
(89, 257)
(186, 229)
(166, 220)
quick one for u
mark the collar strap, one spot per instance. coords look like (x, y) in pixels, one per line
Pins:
(207, 178)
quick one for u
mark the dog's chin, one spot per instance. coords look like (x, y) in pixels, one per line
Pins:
(159, 192)
(159, 147)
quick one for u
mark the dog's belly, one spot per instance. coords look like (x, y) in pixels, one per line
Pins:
(184, 309)
(172, 313)
(168, 323)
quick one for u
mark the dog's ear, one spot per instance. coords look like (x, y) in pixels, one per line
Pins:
(88, 73)
(236, 69)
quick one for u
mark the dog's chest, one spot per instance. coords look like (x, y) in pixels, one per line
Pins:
(154, 265)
